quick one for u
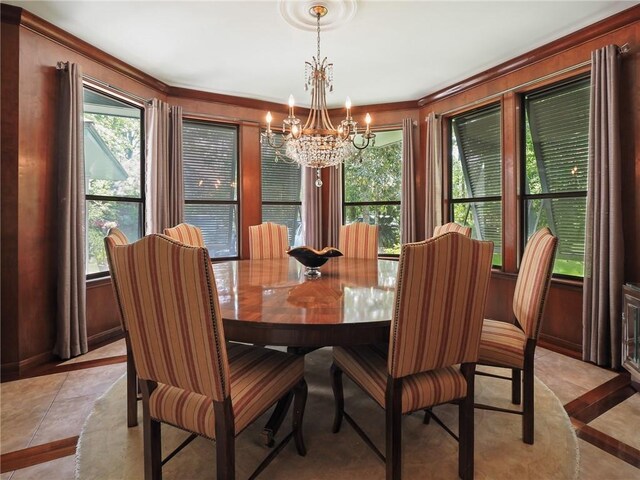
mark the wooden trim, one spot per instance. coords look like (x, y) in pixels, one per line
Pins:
(40, 26)
(376, 107)
(571, 40)
(71, 367)
(107, 336)
(46, 452)
(559, 345)
(594, 403)
(212, 97)
(607, 443)
(15, 370)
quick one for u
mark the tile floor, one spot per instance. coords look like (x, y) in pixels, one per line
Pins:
(42, 409)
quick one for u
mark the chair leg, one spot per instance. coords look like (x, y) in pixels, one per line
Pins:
(277, 417)
(338, 396)
(528, 407)
(393, 429)
(427, 417)
(152, 443)
(225, 440)
(132, 388)
(516, 386)
(466, 427)
(132, 393)
(300, 400)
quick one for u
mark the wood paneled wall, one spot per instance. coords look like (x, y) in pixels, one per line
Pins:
(562, 324)
(30, 50)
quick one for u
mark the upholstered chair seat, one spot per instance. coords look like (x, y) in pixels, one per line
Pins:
(258, 377)
(190, 376)
(512, 345)
(367, 366)
(502, 343)
(433, 344)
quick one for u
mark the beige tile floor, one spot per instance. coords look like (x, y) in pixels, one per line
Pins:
(42, 409)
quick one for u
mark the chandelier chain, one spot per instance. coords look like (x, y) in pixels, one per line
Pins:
(318, 31)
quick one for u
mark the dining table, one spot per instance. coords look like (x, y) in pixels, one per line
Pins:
(272, 302)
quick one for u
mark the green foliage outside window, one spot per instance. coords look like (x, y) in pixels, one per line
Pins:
(376, 177)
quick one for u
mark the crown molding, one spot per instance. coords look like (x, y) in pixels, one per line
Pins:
(572, 40)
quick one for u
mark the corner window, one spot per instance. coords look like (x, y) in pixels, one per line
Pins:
(555, 169)
(281, 193)
(210, 155)
(475, 162)
(114, 173)
(371, 189)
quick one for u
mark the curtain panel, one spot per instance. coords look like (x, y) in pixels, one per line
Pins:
(311, 209)
(71, 333)
(604, 255)
(164, 162)
(433, 207)
(334, 214)
(408, 189)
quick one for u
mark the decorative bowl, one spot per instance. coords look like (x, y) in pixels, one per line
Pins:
(312, 258)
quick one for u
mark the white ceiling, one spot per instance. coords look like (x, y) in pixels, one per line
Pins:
(390, 51)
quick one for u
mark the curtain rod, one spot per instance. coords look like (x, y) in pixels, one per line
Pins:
(621, 51)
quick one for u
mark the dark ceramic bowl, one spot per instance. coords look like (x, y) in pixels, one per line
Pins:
(310, 257)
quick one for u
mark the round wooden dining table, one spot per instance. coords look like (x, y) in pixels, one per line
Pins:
(272, 302)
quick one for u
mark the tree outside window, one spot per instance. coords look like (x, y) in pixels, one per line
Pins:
(114, 173)
(372, 186)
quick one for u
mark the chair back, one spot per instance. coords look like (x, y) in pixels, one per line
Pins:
(268, 240)
(452, 227)
(187, 234)
(113, 238)
(359, 240)
(533, 281)
(439, 307)
(170, 304)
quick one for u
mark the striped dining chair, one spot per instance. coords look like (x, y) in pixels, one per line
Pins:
(452, 227)
(187, 234)
(358, 240)
(513, 345)
(435, 333)
(190, 377)
(113, 238)
(268, 240)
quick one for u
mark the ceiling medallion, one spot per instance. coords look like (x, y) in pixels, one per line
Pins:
(317, 144)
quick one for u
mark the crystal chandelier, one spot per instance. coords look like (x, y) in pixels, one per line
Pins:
(318, 143)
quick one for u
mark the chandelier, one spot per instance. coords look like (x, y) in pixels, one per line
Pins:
(317, 144)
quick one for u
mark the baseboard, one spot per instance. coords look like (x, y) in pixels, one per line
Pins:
(108, 336)
(14, 370)
(559, 345)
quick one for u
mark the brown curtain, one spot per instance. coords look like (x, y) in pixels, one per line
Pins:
(71, 334)
(164, 189)
(604, 255)
(176, 164)
(408, 199)
(334, 214)
(311, 209)
(433, 207)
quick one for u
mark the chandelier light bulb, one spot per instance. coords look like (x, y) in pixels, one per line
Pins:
(348, 103)
(367, 119)
(291, 101)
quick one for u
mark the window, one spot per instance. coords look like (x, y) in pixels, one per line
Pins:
(555, 170)
(371, 189)
(210, 184)
(475, 175)
(114, 173)
(281, 194)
